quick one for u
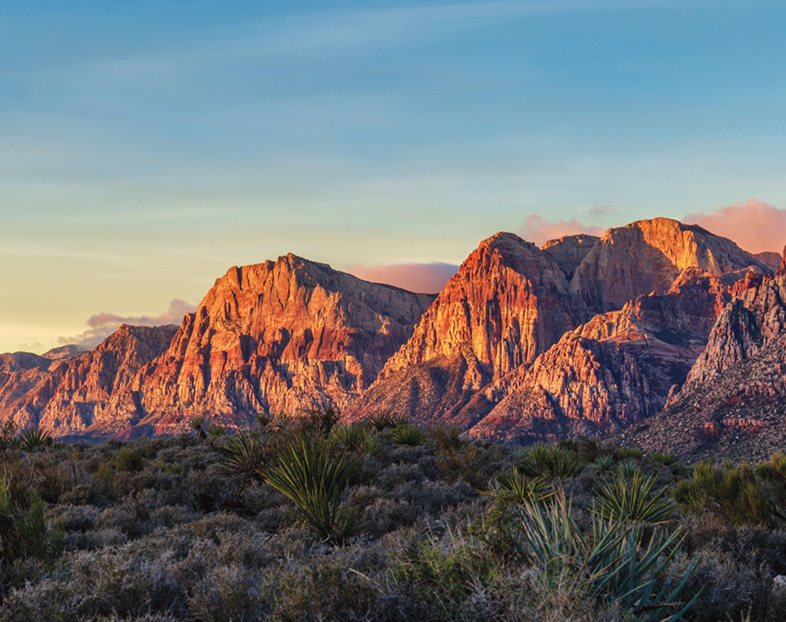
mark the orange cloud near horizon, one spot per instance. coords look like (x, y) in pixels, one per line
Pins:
(756, 226)
(538, 230)
(425, 278)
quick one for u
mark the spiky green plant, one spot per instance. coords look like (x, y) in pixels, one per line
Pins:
(551, 461)
(198, 425)
(370, 446)
(313, 474)
(632, 499)
(35, 438)
(322, 421)
(604, 462)
(406, 434)
(627, 468)
(262, 420)
(517, 487)
(350, 437)
(216, 430)
(382, 421)
(614, 564)
(244, 455)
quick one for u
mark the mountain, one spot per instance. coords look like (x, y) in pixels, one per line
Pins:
(585, 335)
(648, 256)
(733, 403)
(72, 395)
(616, 369)
(507, 303)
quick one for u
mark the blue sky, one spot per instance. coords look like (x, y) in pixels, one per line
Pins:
(146, 147)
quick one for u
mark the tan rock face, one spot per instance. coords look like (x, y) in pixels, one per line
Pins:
(277, 337)
(568, 252)
(647, 257)
(507, 303)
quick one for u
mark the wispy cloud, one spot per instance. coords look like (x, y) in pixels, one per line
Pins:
(538, 230)
(754, 225)
(427, 278)
(101, 325)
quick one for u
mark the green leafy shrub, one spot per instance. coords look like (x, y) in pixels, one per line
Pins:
(632, 499)
(350, 437)
(128, 460)
(313, 475)
(663, 458)
(551, 461)
(730, 490)
(628, 453)
(603, 462)
(406, 434)
(23, 529)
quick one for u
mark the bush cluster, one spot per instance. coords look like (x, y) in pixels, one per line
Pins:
(314, 518)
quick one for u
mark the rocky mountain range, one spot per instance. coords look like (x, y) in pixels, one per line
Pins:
(612, 335)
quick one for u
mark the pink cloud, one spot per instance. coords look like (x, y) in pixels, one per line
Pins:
(754, 225)
(427, 278)
(104, 324)
(539, 230)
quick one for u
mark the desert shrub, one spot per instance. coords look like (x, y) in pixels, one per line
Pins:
(628, 453)
(519, 488)
(128, 460)
(244, 455)
(603, 462)
(320, 421)
(23, 527)
(216, 430)
(406, 434)
(470, 463)
(382, 421)
(35, 438)
(663, 459)
(444, 437)
(632, 499)
(731, 490)
(351, 437)
(198, 425)
(313, 475)
(616, 563)
(551, 461)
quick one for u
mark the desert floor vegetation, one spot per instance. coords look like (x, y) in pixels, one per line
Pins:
(313, 518)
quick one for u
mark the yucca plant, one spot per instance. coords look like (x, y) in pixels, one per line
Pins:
(381, 421)
(613, 563)
(197, 424)
(552, 462)
(632, 499)
(216, 430)
(627, 468)
(517, 487)
(350, 436)
(243, 455)
(322, 421)
(370, 446)
(406, 434)
(604, 462)
(262, 420)
(313, 474)
(35, 438)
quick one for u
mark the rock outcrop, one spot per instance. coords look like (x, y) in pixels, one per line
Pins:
(277, 337)
(569, 251)
(507, 303)
(615, 370)
(647, 256)
(733, 403)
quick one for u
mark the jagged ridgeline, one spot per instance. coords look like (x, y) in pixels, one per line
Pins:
(585, 335)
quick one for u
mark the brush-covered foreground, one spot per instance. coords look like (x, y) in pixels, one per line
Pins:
(310, 519)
